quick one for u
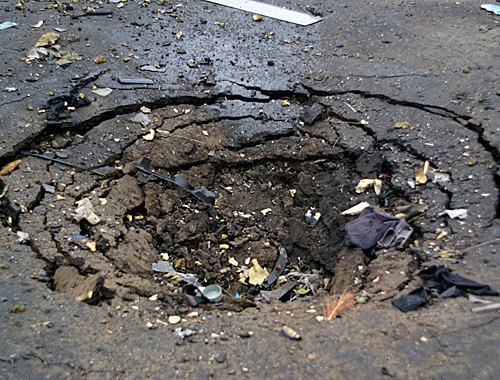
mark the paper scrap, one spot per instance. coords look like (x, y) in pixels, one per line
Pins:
(273, 11)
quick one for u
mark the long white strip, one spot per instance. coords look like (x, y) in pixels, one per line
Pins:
(269, 10)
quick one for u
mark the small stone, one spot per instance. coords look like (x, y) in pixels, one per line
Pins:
(174, 319)
(17, 309)
(154, 297)
(472, 162)
(311, 356)
(221, 358)
(100, 59)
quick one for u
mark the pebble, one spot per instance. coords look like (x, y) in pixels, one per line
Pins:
(221, 358)
(174, 319)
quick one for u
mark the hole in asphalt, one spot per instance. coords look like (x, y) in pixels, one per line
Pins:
(279, 184)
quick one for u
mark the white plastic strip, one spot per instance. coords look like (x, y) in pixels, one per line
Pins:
(269, 11)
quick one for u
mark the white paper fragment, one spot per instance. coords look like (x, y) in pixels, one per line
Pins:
(38, 24)
(85, 210)
(23, 237)
(166, 267)
(7, 24)
(272, 11)
(475, 299)
(356, 209)
(103, 91)
(460, 213)
(494, 306)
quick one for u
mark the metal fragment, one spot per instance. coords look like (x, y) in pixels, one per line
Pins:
(279, 267)
(272, 11)
(135, 81)
(291, 334)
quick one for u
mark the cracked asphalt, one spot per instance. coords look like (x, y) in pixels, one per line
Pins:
(395, 83)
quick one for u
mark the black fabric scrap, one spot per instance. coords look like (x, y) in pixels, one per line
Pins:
(412, 300)
(440, 278)
(374, 230)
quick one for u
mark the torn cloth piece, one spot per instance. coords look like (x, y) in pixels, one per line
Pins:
(374, 230)
(412, 300)
(440, 278)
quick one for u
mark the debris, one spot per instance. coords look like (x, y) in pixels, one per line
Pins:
(491, 8)
(10, 166)
(200, 192)
(17, 309)
(38, 24)
(373, 230)
(281, 292)
(150, 136)
(232, 261)
(145, 109)
(335, 307)
(182, 332)
(440, 278)
(220, 358)
(310, 115)
(460, 213)
(103, 91)
(135, 81)
(257, 274)
(93, 13)
(366, 183)
(64, 163)
(23, 237)
(401, 125)
(141, 118)
(48, 188)
(47, 39)
(421, 174)
(152, 69)
(312, 219)
(386, 372)
(100, 59)
(273, 11)
(4, 191)
(7, 25)
(173, 319)
(279, 267)
(166, 267)
(85, 210)
(60, 30)
(412, 300)
(193, 295)
(356, 209)
(412, 210)
(83, 242)
(289, 333)
(495, 306)
(213, 293)
(257, 17)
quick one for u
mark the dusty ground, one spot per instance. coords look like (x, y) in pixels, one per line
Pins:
(280, 122)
